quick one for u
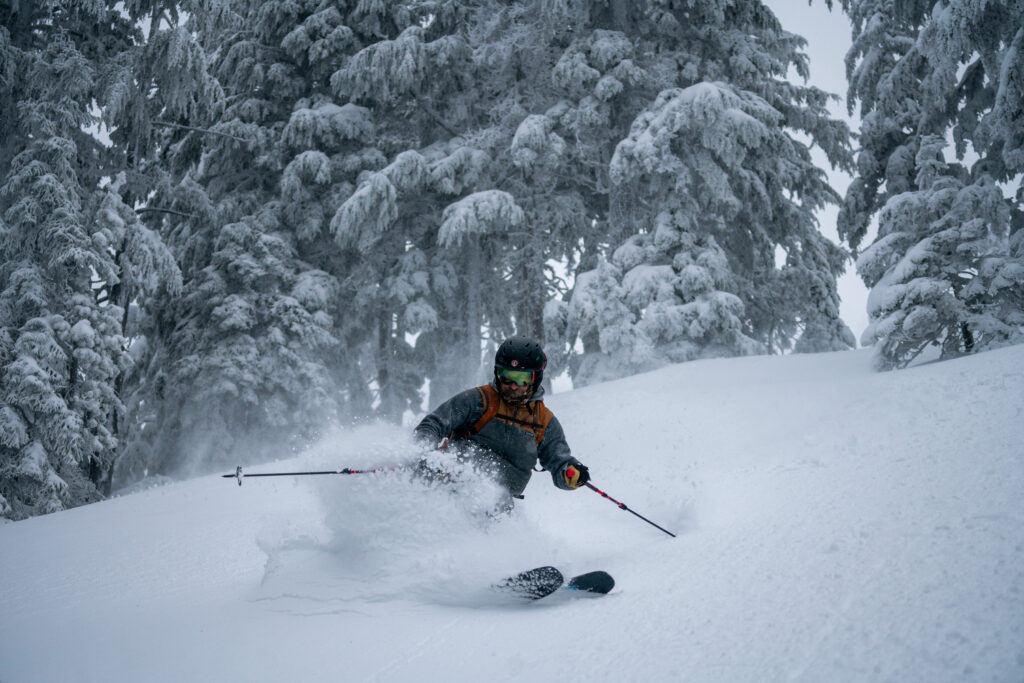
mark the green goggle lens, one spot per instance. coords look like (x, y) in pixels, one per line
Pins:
(521, 378)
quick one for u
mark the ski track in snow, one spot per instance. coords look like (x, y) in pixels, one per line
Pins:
(834, 524)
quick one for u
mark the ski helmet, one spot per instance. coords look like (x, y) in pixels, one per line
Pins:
(521, 353)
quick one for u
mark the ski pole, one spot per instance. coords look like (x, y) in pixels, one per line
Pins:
(622, 506)
(238, 473)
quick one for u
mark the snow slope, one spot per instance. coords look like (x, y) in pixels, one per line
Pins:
(834, 524)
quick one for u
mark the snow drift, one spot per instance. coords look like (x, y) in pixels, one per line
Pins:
(834, 524)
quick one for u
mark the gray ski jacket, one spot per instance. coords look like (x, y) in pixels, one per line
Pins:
(507, 445)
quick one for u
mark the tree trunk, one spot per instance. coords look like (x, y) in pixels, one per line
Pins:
(965, 333)
(614, 16)
(532, 290)
(385, 360)
(474, 310)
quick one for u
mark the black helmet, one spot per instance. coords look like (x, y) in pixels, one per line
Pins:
(521, 353)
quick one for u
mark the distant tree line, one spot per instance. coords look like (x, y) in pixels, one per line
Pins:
(227, 224)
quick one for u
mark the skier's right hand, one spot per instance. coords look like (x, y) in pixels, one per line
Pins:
(575, 475)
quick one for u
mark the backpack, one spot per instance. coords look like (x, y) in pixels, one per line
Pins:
(492, 407)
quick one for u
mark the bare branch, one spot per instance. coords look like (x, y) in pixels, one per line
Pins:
(436, 117)
(153, 209)
(168, 124)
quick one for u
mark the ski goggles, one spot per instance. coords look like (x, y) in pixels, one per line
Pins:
(521, 378)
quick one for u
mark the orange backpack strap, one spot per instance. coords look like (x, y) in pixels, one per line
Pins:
(544, 418)
(491, 405)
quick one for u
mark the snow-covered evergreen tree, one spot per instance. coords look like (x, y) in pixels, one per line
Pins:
(663, 298)
(246, 360)
(557, 91)
(391, 278)
(469, 293)
(62, 349)
(471, 233)
(699, 122)
(146, 273)
(939, 85)
(431, 225)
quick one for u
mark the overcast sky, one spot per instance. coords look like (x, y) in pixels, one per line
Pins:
(828, 38)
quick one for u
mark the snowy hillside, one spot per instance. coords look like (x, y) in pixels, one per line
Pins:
(834, 524)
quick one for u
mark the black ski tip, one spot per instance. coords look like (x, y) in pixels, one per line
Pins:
(592, 582)
(533, 583)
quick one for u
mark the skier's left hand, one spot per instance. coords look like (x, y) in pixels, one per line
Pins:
(575, 475)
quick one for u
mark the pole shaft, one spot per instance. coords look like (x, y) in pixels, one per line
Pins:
(296, 474)
(239, 474)
(623, 506)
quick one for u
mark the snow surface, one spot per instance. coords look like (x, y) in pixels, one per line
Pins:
(834, 524)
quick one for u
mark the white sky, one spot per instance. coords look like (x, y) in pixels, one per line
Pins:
(828, 38)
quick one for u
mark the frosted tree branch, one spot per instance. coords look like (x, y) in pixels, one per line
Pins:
(168, 124)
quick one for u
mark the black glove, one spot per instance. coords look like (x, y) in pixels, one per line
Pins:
(575, 475)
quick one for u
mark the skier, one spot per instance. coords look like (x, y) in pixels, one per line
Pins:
(503, 428)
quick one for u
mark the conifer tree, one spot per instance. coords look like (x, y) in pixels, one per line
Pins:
(939, 85)
(62, 349)
(245, 360)
(432, 222)
(698, 118)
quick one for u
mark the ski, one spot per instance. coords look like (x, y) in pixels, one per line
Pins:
(533, 584)
(592, 582)
(540, 582)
